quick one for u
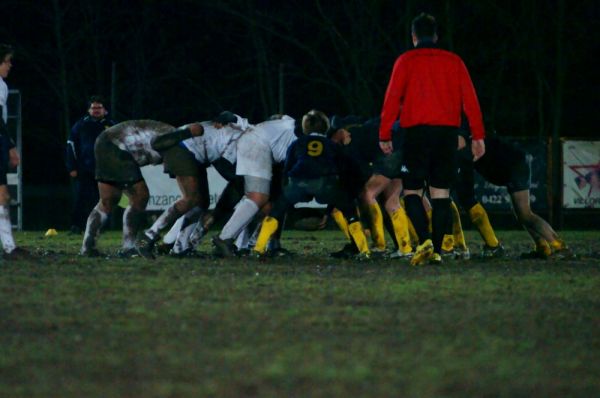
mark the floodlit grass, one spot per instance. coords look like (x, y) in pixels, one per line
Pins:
(306, 326)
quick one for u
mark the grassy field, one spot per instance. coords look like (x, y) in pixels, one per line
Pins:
(309, 326)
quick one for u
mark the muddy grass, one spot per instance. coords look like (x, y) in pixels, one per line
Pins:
(301, 326)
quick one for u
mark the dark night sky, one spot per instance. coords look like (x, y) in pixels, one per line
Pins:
(178, 61)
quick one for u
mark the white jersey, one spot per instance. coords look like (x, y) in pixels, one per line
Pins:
(214, 144)
(4, 99)
(135, 137)
(262, 145)
(280, 134)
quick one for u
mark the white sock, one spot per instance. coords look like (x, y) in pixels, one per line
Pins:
(169, 216)
(245, 210)
(242, 239)
(171, 236)
(132, 222)
(254, 236)
(8, 243)
(190, 223)
(95, 222)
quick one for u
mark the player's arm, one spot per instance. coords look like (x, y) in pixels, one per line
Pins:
(168, 140)
(392, 104)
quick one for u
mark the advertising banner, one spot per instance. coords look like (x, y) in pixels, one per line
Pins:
(581, 174)
(164, 190)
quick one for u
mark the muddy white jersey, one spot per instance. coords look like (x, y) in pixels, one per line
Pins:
(135, 137)
(279, 133)
(214, 143)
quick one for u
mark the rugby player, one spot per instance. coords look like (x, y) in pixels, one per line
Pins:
(120, 151)
(314, 166)
(259, 148)
(380, 177)
(506, 165)
(187, 161)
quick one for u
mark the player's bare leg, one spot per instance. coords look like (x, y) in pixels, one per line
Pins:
(189, 187)
(8, 242)
(391, 195)
(257, 195)
(536, 225)
(109, 197)
(375, 185)
(134, 216)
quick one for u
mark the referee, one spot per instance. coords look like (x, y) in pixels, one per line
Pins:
(429, 90)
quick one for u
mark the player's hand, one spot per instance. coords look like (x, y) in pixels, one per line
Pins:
(478, 149)
(73, 173)
(196, 129)
(386, 147)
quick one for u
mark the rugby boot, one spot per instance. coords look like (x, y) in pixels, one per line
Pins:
(462, 253)
(18, 253)
(128, 253)
(164, 248)
(493, 251)
(145, 247)
(91, 253)
(378, 253)
(435, 259)
(539, 252)
(563, 254)
(363, 256)
(400, 254)
(423, 252)
(349, 250)
(223, 247)
(280, 252)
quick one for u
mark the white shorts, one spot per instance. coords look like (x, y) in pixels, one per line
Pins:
(254, 157)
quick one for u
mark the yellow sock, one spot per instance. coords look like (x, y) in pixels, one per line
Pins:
(557, 244)
(480, 218)
(542, 246)
(356, 231)
(429, 227)
(412, 233)
(341, 222)
(457, 230)
(377, 233)
(400, 224)
(267, 229)
(448, 243)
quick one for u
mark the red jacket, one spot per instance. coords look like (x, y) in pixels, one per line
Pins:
(432, 87)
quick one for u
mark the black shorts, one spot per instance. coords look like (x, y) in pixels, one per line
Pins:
(325, 190)
(513, 172)
(389, 166)
(115, 166)
(179, 161)
(430, 155)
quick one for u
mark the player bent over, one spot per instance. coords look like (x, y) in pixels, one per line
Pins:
(516, 177)
(259, 148)
(313, 167)
(188, 161)
(383, 179)
(120, 151)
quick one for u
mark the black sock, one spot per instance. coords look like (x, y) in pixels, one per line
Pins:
(439, 221)
(416, 212)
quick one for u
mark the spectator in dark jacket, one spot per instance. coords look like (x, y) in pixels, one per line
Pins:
(80, 160)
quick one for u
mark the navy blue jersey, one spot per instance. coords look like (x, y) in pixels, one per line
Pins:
(312, 156)
(80, 146)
